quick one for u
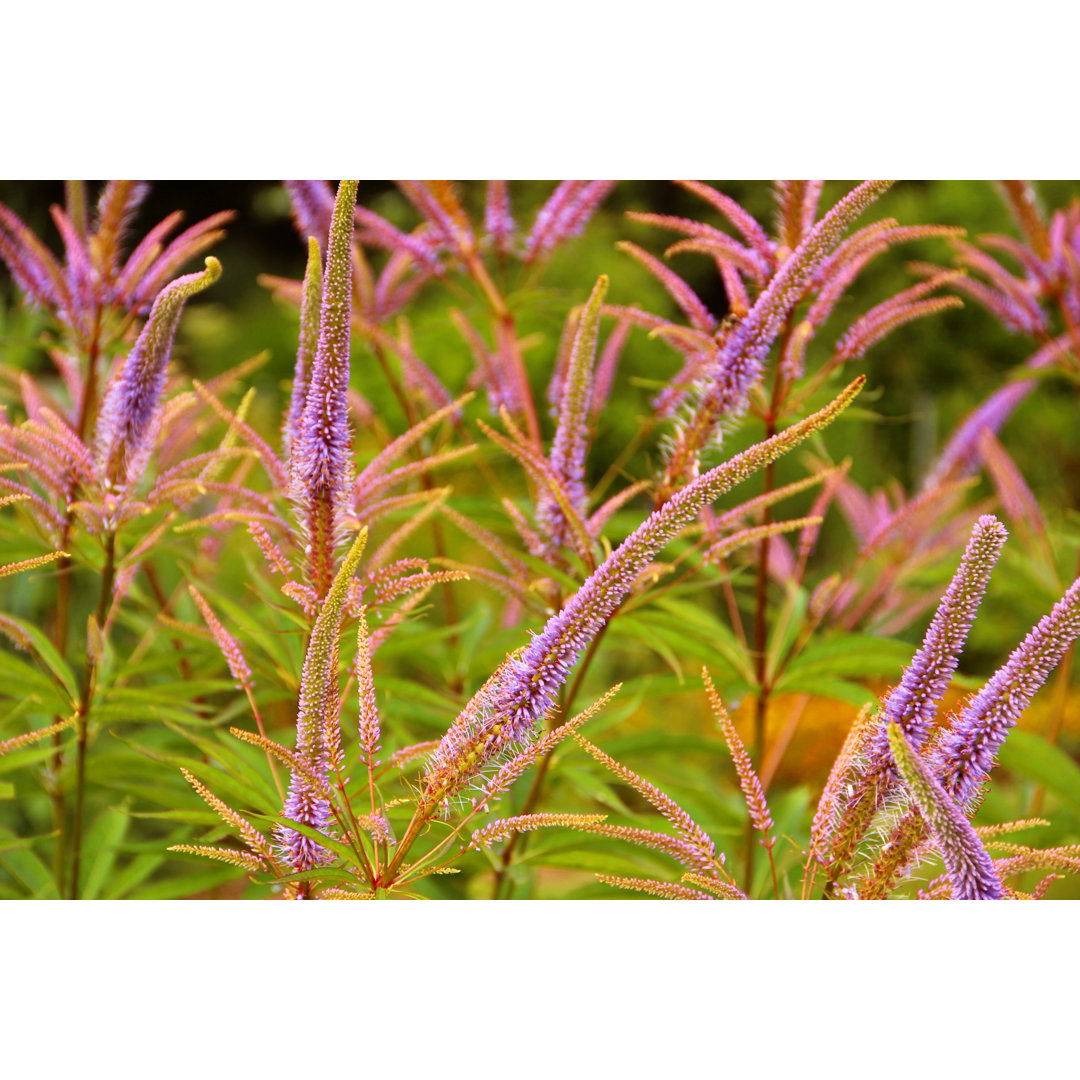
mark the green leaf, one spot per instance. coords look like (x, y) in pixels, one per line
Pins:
(181, 887)
(102, 840)
(838, 689)
(860, 655)
(336, 846)
(51, 658)
(133, 875)
(324, 873)
(19, 676)
(1032, 757)
(22, 862)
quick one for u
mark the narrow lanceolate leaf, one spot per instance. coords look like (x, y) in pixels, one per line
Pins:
(37, 560)
(125, 428)
(970, 869)
(752, 790)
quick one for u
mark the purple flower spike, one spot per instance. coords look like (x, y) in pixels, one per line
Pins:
(970, 869)
(323, 438)
(571, 436)
(738, 364)
(498, 218)
(321, 453)
(548, 659)
(126, 424)
(312, 208)
(961, 453)
(913, 704)
(966, 754)
(310, 304)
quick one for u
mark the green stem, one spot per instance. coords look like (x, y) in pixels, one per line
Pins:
(57, 796)
(108, 574)
(761, 621)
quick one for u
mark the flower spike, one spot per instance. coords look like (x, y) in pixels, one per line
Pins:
(547, 661)
(571, 436)
(310, 306)
(316, 714)
(969, 867)
(127, 420)
(320, 450)
(966, 754)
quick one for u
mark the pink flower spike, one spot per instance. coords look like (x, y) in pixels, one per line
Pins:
(498, 219)
(230, 648)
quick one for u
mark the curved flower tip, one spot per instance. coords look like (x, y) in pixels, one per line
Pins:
(970, 869)
(126, 423)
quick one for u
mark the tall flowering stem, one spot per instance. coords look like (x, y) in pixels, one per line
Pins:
(544, 665)
(505, 711)
(308, 801)
(320, 453)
